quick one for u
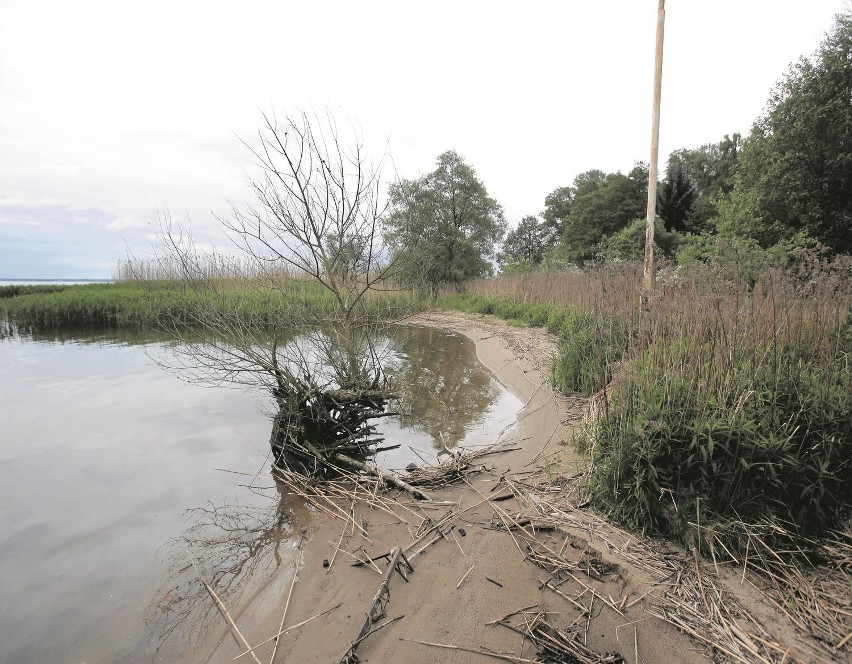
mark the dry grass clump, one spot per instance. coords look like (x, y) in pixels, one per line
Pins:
(690, 594)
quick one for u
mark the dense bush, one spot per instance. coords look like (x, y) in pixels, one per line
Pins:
(740, 413)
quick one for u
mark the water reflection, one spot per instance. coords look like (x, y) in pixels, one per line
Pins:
(444, 391)
(238, 549)
(120, 450)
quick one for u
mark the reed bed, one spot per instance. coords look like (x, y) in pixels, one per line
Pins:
(606, 289)
(141, 305)
(208, 266)
(736, 413)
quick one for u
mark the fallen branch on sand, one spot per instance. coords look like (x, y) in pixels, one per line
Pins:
(454, 468)
(376, 611)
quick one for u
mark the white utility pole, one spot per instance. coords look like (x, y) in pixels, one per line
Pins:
(648, 271)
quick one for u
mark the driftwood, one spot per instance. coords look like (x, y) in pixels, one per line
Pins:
(338, 460)
(334, 421)
(376, 611)
(390, 478)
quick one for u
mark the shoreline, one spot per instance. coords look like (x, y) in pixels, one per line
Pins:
(516, 363)
(465, 582)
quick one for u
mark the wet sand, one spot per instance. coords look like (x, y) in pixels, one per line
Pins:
(463, 582)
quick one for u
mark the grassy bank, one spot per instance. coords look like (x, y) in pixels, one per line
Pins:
(590, 344)
(737, 417)
(154, 304)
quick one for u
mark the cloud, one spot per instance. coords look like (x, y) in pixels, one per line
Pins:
(110, 113)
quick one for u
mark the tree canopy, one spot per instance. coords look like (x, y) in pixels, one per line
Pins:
(557, 207)
(676, 198)
(603, 204)
(798, 159)
(524, 245)
(443, 227)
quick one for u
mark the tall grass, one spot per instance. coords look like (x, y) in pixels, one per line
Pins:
(212, 266)
(739, 412)
(153, 304)
(592, 312)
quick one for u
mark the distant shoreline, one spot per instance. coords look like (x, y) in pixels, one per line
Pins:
(67, 282)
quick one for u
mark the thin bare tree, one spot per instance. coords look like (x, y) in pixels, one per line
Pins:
(293, 311)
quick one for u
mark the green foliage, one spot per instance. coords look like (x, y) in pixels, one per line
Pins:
(676, 198)
(602, 206)
(589, 344)
(733, 246)
(534, 315)
(628, 244)
(138, 305)
(589, 348)
(557, 207)
(589, 182)
(29, 289)
(444, 226)
(738, 414)
(711, 168)
(798, 157)
(524, 245)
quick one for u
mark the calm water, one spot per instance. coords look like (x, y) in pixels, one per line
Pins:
(108, 479)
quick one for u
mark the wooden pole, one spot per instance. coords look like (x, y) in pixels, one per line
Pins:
(648, 270)
(651, 214)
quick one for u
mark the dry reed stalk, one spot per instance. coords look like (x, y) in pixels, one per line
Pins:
(339, 541)
(289, 629)
(461, 581)
(287, 603)
(455, 539)
(506, 658)
(556, 645)
(456, 468)
(816, 600)
(235, 631)
(691, 600)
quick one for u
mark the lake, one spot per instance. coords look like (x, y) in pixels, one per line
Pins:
(113, 472)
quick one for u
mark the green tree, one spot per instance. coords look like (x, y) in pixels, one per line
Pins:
(711, 168)
(628, 244)
(798, 158)
(524, 246)
(676, 198)
(606, 205)
(443, 227)
(589, 181)
(557, 207)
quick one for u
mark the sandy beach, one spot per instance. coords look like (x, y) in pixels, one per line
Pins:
(613, 588)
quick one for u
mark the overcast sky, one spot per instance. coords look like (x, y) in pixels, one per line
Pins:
(111, 111)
